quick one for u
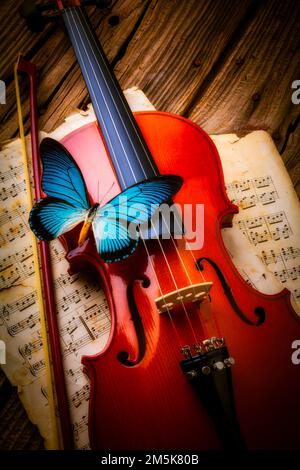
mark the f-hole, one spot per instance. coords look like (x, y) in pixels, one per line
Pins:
(258, 311)
(123, 356)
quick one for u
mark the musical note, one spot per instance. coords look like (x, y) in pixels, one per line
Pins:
(14, 272)
(285, 254)
(29, 322)
(274, 226)
(28, 349)
(14, 172)
(57, 253)
(8, 216)
(20, 305)
(73, 347)
(74, 374)
(37, 367)
(247, 193)
(15, 258)
(80, 395)
(285, 274)
(290, 253)
(77, 296)
(296, 293)
(239, 186)
(12, 191)
(80, 426)
(16, 232)
(64, 280)
(263, 182)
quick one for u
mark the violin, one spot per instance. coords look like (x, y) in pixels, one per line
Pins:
(196, 358)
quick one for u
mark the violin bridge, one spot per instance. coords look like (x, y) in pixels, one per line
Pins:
(192, 293)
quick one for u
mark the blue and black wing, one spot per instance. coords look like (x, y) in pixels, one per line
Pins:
(112, 238)
(62, 177)
(51, 217)
(115, 224)
(139, 202)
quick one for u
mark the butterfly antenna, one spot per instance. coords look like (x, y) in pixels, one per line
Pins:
(109, 189)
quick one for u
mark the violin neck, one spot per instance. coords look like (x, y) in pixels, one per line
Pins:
(130, 156)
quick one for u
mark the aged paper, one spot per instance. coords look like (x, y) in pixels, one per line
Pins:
(83, 314)
(268, 253)
(264, 244)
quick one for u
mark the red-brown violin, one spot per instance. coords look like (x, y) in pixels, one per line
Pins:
(196, 358)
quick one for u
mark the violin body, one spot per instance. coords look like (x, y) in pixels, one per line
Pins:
(140, 397)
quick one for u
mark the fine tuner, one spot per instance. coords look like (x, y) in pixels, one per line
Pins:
(210, 355)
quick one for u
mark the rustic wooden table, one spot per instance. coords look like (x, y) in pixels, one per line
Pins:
(226, 64)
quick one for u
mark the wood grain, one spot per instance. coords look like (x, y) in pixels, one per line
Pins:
(61, 87)
(226, 64)
(175, 48)
(251, 88)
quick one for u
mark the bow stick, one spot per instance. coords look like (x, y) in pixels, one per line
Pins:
(50, 308)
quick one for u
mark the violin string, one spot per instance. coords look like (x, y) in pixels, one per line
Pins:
(212, 314)
(174, 282)
(178, 253)
(180, 342)
(131, 118)
(107, 107)
(92, 91)
(129, 115)
(162, 250)
(192, 254)
(133, 174)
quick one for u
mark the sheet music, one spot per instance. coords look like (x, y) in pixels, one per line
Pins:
(264, 244)
(83, 315)
(82, 309)
(268, 254)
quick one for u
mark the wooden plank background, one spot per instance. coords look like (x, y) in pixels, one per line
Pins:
(226, 64)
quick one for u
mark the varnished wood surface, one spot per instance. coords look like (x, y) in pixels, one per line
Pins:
(226, 64)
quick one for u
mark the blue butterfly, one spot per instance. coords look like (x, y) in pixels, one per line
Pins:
(67, 204)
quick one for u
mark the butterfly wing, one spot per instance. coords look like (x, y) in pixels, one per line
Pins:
(111, 236)
(62, 177)
(135, 205)
(146, 196)
(51, 217)
(67, 202)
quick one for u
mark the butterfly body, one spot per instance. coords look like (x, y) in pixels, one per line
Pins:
(87, 224)
(67, 204)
